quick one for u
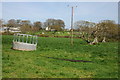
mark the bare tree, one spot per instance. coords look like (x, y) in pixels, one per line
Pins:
(1, 22)
(106, 29)
(86, 28)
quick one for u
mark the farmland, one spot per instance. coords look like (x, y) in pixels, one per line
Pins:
(36, 64)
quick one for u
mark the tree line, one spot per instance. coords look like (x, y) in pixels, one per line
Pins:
(103, 29)
(27, 26)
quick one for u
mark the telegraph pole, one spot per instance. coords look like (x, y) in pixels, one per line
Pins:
(72, 14)
(72, 26)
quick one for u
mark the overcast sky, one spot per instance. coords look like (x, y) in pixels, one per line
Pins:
(41, 11)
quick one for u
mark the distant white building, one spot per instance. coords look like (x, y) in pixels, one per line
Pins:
(11, 29)
(15, 29)
(47, 28)
(43, 33)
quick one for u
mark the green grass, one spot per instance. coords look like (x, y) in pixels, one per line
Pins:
(31, 64)
(58, 33)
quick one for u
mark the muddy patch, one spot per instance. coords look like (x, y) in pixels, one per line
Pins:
(71, 60)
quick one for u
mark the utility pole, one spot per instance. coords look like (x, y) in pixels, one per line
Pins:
(72, 15)
(72, 26)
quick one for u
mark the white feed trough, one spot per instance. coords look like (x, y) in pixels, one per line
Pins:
(24, 42)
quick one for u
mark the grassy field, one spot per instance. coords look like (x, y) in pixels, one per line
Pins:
(58, 33)
(32, 64)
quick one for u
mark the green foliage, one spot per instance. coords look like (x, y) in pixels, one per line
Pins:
(32, 64)
(56, 24)
(105, 28)
(37, 26)
(12, 23)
